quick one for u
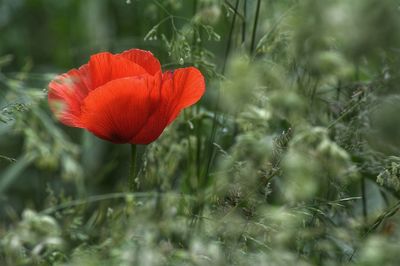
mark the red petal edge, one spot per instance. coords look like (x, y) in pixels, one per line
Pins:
(105, 67)
(66, 94)
(188, 87)
(180, 89)
(144, 59)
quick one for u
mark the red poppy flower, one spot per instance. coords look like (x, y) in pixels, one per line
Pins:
(124, 98)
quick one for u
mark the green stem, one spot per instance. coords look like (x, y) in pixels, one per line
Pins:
(244, 21)
(253, 36)
(228, 45)
(132, 170)
(364, 201)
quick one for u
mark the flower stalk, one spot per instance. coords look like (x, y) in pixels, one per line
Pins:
(132, 169)
(253, 35)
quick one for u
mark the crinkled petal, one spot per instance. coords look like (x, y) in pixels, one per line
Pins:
(105, 67)
(179, 90)
(117, 110)
(66, 94)
(144, 59)
(157, 121)
(187, 88)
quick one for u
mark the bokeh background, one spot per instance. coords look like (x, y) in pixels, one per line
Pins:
(292, 157)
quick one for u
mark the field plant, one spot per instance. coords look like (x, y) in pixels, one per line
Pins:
(292, 157)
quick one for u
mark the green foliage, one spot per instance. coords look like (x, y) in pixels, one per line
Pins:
(291, 158)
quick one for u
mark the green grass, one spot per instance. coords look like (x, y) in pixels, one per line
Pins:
(291, 158)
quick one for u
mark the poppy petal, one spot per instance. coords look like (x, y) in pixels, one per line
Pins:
(187, 88)
(66, 94)
(144, 59)
(105, 67)
(157, 121)
(180, 89)
(117, 110)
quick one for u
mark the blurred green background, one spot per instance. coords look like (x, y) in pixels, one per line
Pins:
(43, 38)
(291, 158)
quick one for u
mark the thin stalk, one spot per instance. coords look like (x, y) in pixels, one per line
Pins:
(231, 7)
(198, 148)
(244, 21)
(364, 200)
(211, 148)
(96, 198)
(112, 196)
(228, 45)
(189, 151)
(194, 7)
(378, 221)
(132, 170)
(253, 36)
(198, 122)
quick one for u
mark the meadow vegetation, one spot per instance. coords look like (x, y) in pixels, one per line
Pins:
(292, 157)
